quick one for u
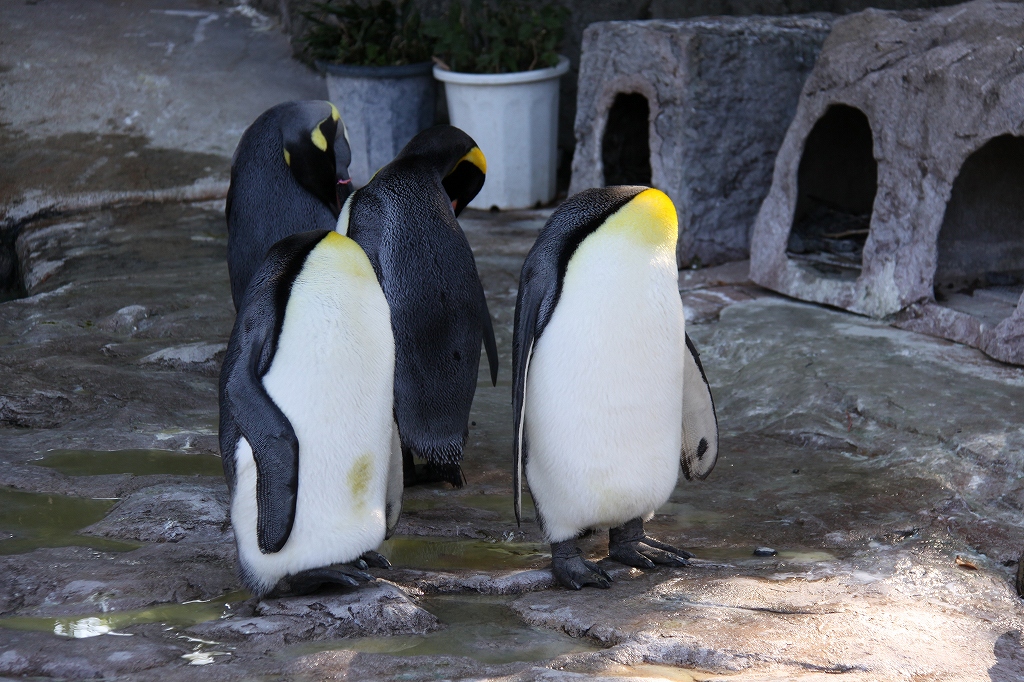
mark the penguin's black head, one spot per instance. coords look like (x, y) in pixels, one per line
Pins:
(316, 150)
(457, 159)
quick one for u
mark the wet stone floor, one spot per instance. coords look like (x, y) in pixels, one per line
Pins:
(878, 472)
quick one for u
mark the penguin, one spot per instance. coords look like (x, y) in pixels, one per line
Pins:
(307, 434)
(289, 174)
(405, 220)
(609, 394)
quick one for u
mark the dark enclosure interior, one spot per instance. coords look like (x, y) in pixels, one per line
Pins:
(980, 265)
(10, 272)
(836, 184)
(625, 147)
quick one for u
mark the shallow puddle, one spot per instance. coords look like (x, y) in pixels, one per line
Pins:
(173, 615)
(481, 627)
(29, 521)
(433, 553)
(500, 504)
(735, 554)
(136, 462)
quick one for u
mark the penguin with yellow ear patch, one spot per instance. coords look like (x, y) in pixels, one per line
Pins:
(405, 220)
(307, 435)
(609, 396)
(289, 174)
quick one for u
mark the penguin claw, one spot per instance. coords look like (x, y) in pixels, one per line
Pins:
(306, 582)
(573, 571)
(375, 559)
(629, 545)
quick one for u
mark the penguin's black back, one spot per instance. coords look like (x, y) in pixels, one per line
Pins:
(403, 220)
(265, 202)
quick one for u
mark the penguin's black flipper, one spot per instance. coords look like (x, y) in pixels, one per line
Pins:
(700, 423)
(535, 285)
(247, 409)
(489, 345)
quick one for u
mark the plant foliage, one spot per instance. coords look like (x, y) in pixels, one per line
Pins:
(497, 37)
(369, 34)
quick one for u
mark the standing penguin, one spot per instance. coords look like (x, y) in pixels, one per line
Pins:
(307, 435)
(289, 174)
(609, 395)
(405, 220)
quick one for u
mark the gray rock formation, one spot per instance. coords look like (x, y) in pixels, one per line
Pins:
(169, 513)
(717, 95)
(906, 148)
(377, 609)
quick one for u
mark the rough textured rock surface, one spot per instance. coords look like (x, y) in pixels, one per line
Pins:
(377, 609)
(169, 513)
(721, 92)
(935, 87)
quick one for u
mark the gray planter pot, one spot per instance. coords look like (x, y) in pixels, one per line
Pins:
(383, 107)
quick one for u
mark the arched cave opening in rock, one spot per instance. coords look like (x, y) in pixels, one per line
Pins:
(625, 147)
(980, 265)
(836, 183)
(11, 285)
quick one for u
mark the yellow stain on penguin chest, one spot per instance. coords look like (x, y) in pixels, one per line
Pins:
(359, 478)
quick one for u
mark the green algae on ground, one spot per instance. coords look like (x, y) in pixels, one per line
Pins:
(182, 615)
(433, 553)
(136, 462)
(29, 521)
(481, 627)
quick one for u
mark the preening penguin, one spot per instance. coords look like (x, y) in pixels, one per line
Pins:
(609, 396)
(405, 220)
(289, 174)
(307, 434)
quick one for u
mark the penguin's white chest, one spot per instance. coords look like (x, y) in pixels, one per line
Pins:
(605, 387)
(332, 376)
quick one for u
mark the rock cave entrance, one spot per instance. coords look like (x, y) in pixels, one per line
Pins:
(11, 285)
(980, 264)
(836, 183)
(625, 147)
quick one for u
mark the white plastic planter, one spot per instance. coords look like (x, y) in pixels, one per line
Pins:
(514, 119)
(383, 107)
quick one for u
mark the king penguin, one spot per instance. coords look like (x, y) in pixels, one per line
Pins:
(289, 174)
(609, 395)
(405, 220)
(307, 435)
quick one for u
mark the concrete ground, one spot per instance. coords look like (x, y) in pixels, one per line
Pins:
(883, 467)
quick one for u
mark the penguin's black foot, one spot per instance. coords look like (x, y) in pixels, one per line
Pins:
(430, 472)
(306, 582)
(375, 559)
(629, 545)
(572, 570)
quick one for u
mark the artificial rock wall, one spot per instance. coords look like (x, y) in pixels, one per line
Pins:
(711, 98)
(899, 188)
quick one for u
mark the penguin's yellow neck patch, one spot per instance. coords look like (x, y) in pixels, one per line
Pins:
(650, 217)
(287, 157)
(318, 136)
(338, 252)
(475, 157)
(334, 113)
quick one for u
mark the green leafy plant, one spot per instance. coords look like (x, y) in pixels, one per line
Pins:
(497, 37)
(368, 34)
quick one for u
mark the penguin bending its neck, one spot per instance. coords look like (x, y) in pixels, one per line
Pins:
(609, 396)
(307, 435)
(289, 174)
(405, 220)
